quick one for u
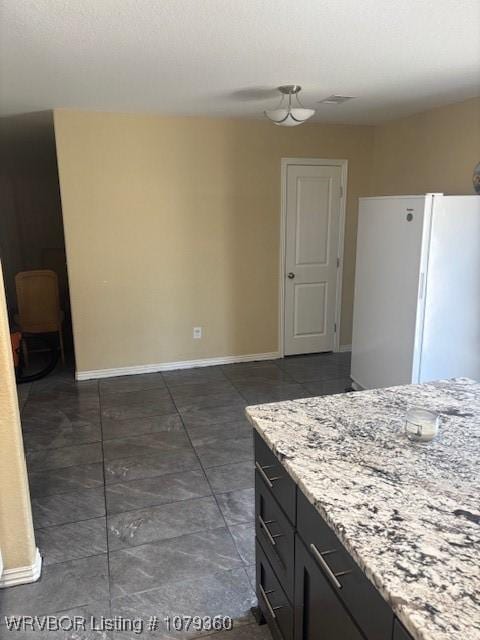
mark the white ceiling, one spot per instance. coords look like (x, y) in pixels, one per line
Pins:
(224, 57)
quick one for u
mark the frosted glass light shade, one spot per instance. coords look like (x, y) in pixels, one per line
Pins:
(289, 117)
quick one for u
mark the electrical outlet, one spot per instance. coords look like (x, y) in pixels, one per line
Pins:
(197, 333)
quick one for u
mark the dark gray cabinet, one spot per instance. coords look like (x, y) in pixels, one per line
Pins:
(370, 611)
(399, 632)
(307, 584)
(318, 611)
(281, 486)
(275, 534)
(272, 599)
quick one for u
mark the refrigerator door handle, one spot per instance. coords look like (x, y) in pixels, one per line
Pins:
(422, 286)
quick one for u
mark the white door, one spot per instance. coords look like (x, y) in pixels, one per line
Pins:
(313, 194)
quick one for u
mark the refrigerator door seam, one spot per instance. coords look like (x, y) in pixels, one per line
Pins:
(430, 201)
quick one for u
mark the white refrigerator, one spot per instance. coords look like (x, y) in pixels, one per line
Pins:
(416, 314)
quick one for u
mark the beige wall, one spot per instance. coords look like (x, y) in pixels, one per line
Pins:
(17, 542)
(432, 151)
(172, 223)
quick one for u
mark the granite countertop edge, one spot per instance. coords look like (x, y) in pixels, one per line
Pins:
(402, 607)
(374, 579)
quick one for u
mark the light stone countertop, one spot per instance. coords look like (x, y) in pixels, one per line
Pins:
(408, 513)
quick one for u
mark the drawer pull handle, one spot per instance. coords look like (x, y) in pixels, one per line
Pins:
(323, 564)
(267, 602)
(342, 573)
(261, 471)
(263, 524)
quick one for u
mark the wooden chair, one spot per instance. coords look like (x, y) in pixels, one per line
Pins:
(39, 305)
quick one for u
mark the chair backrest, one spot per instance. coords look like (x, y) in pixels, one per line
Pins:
(56, 260)
(38, 301)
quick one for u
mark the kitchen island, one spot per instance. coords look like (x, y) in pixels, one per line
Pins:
(406, 514)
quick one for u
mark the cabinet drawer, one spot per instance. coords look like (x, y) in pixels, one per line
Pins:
(275, 477)
(271, 598)
(399, 631)
(366, 605)
(275, 534)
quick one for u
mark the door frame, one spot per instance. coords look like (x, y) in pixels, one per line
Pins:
(285, 163)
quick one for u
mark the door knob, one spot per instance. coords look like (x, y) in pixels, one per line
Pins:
(290, 275)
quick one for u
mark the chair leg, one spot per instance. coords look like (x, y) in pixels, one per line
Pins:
(62, 351)
(25, 351)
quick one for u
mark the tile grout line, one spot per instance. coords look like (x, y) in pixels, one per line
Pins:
(63, 493)
(59, 469)
(103, 485)
(52, 564)
(64, 524)
(105, 500)
(114, 484)
(211, 489)
(163, 504)
(244, 565)
(225, 525)
(203, 469)
(161, 541)
(282, 371)
(105, 507)
(67, 446)
(100, 554)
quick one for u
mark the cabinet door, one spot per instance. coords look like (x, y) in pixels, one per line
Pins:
(319, 614)
(370, 611)
(399, 632)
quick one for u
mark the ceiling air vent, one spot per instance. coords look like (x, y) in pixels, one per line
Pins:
(336, 99)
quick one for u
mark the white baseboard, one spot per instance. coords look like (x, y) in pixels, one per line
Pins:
(170, 366)
(22, 575)
(344, 348)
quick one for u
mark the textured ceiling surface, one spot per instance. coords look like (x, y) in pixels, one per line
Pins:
(225, 57)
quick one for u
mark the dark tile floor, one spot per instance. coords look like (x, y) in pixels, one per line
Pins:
(142, 491)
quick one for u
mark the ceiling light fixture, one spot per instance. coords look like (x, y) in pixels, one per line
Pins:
(286, 115)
